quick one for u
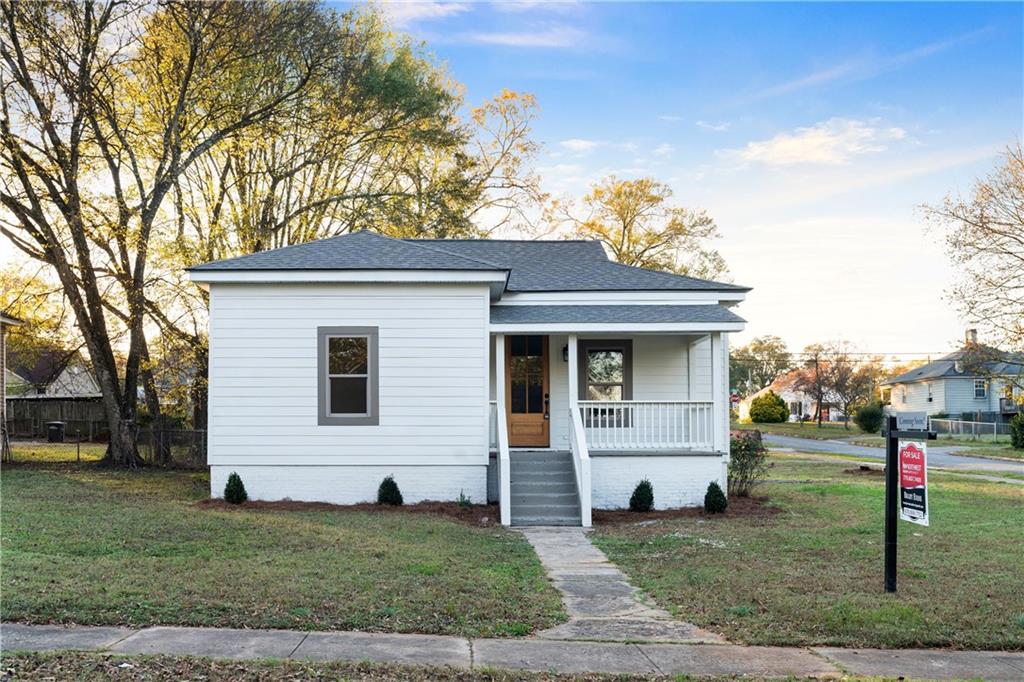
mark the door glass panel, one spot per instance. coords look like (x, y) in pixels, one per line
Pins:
(535, 394)
(518, 390)
(526, 374)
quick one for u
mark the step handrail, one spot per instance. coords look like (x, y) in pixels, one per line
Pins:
(580, 464)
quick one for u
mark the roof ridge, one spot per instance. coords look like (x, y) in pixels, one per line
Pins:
(452, 253)
(517, 241)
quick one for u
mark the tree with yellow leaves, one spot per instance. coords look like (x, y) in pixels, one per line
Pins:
(638, 226)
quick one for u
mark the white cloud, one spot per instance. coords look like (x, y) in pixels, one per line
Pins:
(834, 141)
(556, 36)
(578, 145)
(670, 118)
(719, 127)
(664, 149)
(405, 12)
(559, 6)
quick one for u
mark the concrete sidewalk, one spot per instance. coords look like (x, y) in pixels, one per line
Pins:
(518, 654)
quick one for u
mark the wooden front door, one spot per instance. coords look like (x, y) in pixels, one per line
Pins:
(528, 397)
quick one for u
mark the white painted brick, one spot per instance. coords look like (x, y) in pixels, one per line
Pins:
(677, 481)
(353, 484)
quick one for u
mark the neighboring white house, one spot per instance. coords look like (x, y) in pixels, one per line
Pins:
(538, 374)
(801, 404)
(960, 386)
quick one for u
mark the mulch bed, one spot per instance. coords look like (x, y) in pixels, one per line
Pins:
(738, 506)
(471, 514)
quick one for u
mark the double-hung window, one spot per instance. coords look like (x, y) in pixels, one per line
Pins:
(347, 375)
(606, 374)
(980, 388)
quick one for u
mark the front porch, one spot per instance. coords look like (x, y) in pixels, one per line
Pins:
(619, 407)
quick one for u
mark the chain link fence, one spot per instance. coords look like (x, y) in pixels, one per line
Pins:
(166, 448)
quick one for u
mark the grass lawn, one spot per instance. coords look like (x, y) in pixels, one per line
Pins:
(983, 448)
(41, 452)
(827, 431)
(92, 546)
(812, 574)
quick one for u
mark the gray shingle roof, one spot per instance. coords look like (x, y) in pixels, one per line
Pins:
(569, 265)
(361, 250)
(610, 314)
(958, 365)
(557, 265)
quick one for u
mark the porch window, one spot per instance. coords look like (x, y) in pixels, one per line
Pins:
(606, 370)
(980, 388)
(347, 375)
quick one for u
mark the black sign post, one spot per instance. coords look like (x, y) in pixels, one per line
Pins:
(894, 430)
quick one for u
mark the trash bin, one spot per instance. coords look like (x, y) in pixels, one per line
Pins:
(55, 432)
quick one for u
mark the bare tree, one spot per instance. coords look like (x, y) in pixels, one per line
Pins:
(985, 235)
(104, 106)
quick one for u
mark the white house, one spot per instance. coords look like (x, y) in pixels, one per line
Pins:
(801, 403)
(538, 374)
(974, 383)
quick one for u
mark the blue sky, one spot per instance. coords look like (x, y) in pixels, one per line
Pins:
(810, 132)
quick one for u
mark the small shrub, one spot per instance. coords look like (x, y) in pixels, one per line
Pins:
(714, 499)
(234, 491)
(388, 492)
(464, 501)
(768, 408)
(1017, 432)
(642, 499)
(869, 418)
(748, 462)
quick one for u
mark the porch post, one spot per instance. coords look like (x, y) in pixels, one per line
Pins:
(720, 406)
(574, 378)
(504, 463)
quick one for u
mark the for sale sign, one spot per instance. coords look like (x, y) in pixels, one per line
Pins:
(913, 466)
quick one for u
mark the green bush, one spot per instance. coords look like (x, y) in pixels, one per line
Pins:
(869, 418)
(768, 408)
(388, 492)
(642, 499)
(234, 491)
(714, 499)
(748, 462)
(1017, 432)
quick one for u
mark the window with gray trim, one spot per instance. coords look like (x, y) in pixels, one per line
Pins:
(347, 375)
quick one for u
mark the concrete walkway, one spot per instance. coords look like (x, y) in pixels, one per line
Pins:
(601, 603)
(541, 655)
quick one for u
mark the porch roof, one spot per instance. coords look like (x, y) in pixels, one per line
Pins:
(614, 316)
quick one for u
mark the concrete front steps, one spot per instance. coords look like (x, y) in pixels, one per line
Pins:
(544, 488)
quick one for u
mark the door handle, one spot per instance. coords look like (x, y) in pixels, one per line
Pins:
(547, 405)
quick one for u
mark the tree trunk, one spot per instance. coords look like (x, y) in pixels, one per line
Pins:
(200, 389)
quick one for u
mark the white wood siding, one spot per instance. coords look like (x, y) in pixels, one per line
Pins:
(432, 382)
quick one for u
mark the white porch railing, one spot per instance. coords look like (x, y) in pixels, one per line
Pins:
(648, 424)
(580, 465)
(500, 433)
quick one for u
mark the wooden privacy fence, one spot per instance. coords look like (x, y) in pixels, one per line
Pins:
(84, 418)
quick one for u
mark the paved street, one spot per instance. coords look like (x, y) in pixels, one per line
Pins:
(938, 456)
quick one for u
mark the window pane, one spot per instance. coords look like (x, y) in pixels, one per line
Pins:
(518, 391)
(605, 366)
(534, 345)
(535, 391)
(518, 344)
(348, 395)
(347, 355)
(604, 392)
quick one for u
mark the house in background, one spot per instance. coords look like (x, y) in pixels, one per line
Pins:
(962, 386)
(801, 404)
(538, 374)
(53, 385)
